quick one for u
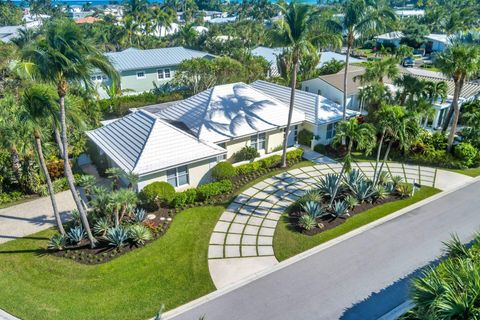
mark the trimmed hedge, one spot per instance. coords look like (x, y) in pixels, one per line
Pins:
(223, 170)
(244, 154)
(157, 193)
(267, 163)
(466, 153)
(206, 191)
(184, 198)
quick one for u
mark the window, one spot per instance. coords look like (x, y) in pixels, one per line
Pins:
(307, 89)
(178, 177)
(167, 73)
(319, 92)
(295, 133)
(141, 75)
(160, 73)
(257, 141)
(330, 130)
(163, 73)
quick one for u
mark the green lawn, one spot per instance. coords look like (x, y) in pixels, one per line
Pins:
(171, 270)
(473, 172)
(287, 242)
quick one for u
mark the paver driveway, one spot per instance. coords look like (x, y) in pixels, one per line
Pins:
(242, 241)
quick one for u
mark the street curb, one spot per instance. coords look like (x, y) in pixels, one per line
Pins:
(7, 316)
(219, 292)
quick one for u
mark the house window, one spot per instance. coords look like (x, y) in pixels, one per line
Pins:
(178, 177)
(307, 89)
(167, 73)
(330, 130)
(319, 92)
(163, 73)
(141, 75)
(257, 141)
(295, 133)
(160, 73)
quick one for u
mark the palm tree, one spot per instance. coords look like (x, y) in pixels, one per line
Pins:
(361, 135)
(65, 56)
(460, 61)
(115, 174)
(363, 18)
(299, 31)
(373, 95)
(38, 103)
(162, 18)
(376, 71)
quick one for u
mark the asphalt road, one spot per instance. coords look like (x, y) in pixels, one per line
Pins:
(360, 278)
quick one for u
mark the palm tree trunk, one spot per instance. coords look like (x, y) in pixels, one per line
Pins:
(448, 118)
(58, 140)
(117, 220)
(15, 158)
(337, 186)
(345, 76)
(51, 192)
(385, 158)
(379, 152)
(456, 109)
(68, 170)
(290, 110)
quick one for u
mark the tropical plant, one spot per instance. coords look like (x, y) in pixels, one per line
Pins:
(139, 234)
(363, 190)
(353, 177)
(404, 190)
(139, 215)
(377, 71)
(87, 182)
(354, 133)
(63, 56)
(380, 192)
(311, 195)
(340, 208)
(454, 248)
(460, 61)
(363, 18)
(328, 184)
(115, 174)
(313, 209)
(352, 201)
(101, 226)
(396, 180)
(383, 178)
(76, 234)
(116, 237)
(56, 242)
(75, 215)
(301, 29)
(307, 222)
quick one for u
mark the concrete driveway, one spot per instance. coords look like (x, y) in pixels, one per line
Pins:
(31, 217)
(362, 277)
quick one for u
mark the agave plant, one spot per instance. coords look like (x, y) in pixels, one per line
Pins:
(354, 177)
(454, 248)
(396, 180)
(363, 191)
(383, 178)
(390, 187)
(404, 190)
(76, 234)
(87, 182)
(57, 242)
(340, 208)
(310, 195)
(116, 237)
(139, 215)
(380, 192)
(327, 184)
(101, 226)
(307, 222)
(139, 234)
(352, 201)
(75, 215)
(313, 209)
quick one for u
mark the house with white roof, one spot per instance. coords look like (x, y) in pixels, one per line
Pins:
(180, 142)
(390, 38)
(436, 42)
(142, 70)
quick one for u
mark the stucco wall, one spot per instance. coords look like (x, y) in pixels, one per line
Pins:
(328, 91)
(198, 173)
(273, 139)
(129, 79)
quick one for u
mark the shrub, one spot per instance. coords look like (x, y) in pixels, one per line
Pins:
(352, 201)
(270, 162)
(76, 234)
(340, 208)
(307, 222)
(466, 153)
(246, 153)
(101, 226)
(139, 234)
(295, 154)
(310, 195)
(191, 195)
(247, 168)
(180, 200)
(157, 194)
(313, 209)
(305, 137)
(363, 190)
(116, 237)
(206, 191)
(87, 182)
(139, 215)
(223, 170)
(380, 192)
(57, 242)
(10, 197)
(404, 190)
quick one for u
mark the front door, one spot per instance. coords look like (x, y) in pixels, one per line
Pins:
(292, 136)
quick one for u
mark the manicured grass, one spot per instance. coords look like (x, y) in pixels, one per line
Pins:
(473, 172)
(171, 270)
(287, 242)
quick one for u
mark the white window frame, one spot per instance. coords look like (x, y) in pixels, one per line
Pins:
(165, 73)
(160, 72)
(178, 172)
(144, 74)
(257, 140)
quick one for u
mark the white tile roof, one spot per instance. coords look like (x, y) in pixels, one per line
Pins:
(230, 111)
(142, 143)
(395, 35)
(317, 109)
(442, 38)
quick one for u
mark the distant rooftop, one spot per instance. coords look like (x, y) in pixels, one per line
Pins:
(442, 38)
(394, 35)
(336, 79)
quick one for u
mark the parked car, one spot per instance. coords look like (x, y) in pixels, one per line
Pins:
(408, 62)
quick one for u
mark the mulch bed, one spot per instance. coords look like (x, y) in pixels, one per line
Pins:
(82, 252)
(330, 222)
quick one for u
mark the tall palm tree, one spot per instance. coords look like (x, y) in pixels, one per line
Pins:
(363, 18)
(65, 56)
(460, 61)
(38, 103)
(361, 135)
(162, 18)
(376, 71)
(299, 31)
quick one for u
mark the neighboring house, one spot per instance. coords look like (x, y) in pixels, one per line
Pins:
(331, 86)
(200, 29)
(436, 42)
(390, 38)
(181, 141)
(7, 33)
(77, 12)
(406, 13)
(87, 20)
(144, 144)
(142, 70)
(223, 20)
(271, 54)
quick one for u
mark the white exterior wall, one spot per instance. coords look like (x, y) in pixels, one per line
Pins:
(198, 173)
(272, 139)
(320, 87)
